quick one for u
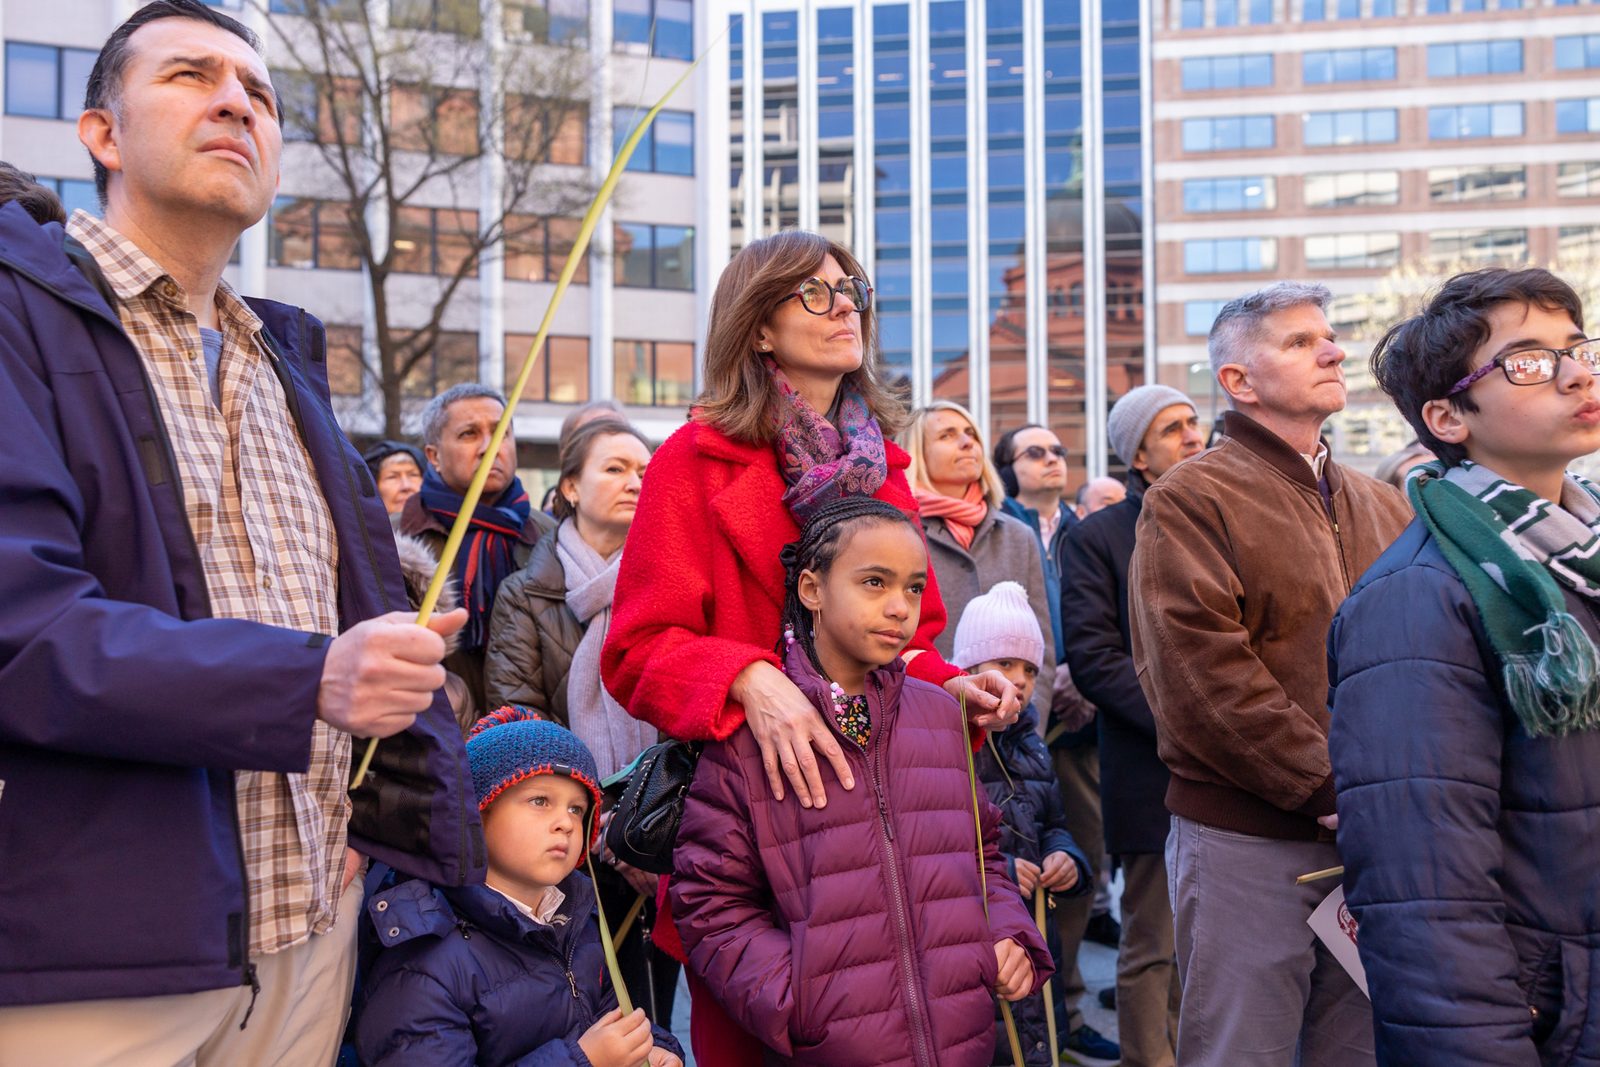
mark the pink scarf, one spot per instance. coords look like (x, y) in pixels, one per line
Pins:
(961, 515)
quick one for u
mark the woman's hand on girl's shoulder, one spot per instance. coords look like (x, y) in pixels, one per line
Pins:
(790, 732)
(992, 702)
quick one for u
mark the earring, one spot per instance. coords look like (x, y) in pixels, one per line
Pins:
(765, 347)
(788, 635)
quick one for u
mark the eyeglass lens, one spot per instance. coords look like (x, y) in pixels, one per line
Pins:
(817, 295)
(1038, 452)
(1539, 364)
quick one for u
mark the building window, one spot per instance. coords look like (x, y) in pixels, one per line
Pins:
(1466, 185)
(1349, 65)
(654, 257)
(551, 21)
(667, 147)
(46, 82)
(1465, 121)
(311, 234)
(562, 374)
(1198, 315)
(1578, 242)
(537, 248)
(451, 360)
(1578, 179)
(347, 9)
(1578, 116)
(654, 373)
(1260, 12)
(1224, 134)
(1192, 14)
(77, 194)
(1352, 188)
(1227, 72)
(1352, 251)
(1370, 126)
(344, 360)
(1576, 53)
(1230, 255)
(435, 240)
(1479, 247)
(1202, 195)
(1465, 59)
(663, 28)
(527, 124)
(317, 108)
(1383, 9)
(440, 16)
(434, 119)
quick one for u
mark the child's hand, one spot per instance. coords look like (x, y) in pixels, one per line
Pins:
(1060, 873)
(1027, 875)
(1016, 970)
(660, 1057)
(616, 1040)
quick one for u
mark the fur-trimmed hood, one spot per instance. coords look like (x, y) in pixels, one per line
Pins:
(417, 565)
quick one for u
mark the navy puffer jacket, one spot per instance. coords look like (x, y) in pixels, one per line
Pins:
(1470, 847)
(1016, 770)
(466, 978)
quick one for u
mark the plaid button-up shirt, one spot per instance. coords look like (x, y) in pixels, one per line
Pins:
(268, 551)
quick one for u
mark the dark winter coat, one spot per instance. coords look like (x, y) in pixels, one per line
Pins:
(1470, 847)
(1051, 553)
(1016, 771)
(466, 978)
(533, 636)
(852, 934)
(1094, 611)
(116, 781)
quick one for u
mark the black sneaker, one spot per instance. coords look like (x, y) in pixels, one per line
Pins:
(1108, 998)
(1088, 1047)
(1103, 930)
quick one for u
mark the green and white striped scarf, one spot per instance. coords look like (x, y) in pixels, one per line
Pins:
(1511, 547)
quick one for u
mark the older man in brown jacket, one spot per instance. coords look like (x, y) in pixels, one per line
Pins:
(1243, 555)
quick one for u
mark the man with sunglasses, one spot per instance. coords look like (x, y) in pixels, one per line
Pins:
(1242, 555)
(1466, 699)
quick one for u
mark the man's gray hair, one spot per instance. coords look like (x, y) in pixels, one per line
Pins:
(1238, 324)
(437, 413)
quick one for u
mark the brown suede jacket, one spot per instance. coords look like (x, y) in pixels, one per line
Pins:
(1241, 561)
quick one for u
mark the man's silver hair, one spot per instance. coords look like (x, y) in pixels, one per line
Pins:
(1238, 324)
(437, 412)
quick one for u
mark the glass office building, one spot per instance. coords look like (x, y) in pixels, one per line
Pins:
(984, 159)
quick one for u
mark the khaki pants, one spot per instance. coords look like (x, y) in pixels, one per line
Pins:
(1147, 975)
(1078, 773)
(1259, 989)
(297, 1020)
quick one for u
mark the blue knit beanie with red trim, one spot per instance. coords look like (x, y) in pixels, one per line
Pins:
(513, 744)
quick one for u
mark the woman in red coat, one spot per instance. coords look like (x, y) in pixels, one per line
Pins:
(793, 416)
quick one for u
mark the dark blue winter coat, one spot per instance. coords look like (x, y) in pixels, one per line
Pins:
(466, 978)
(1094, 614)
(1016, 771)
(1472, 850)
(127, 707)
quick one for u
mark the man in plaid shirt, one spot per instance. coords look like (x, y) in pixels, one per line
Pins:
(196, 578)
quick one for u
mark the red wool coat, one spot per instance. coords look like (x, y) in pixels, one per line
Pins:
(700, 593)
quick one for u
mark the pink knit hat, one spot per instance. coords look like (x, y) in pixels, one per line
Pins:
(1000, 624)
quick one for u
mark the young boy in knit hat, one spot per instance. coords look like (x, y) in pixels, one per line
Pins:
(1465, 706)
(512, 971)
(999, 631)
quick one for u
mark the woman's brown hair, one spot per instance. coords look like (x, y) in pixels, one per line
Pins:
(740, 396)
(575, 453)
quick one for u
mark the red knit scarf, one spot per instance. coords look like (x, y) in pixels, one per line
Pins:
(960, 514)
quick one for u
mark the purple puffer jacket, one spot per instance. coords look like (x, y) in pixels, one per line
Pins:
(852, 934)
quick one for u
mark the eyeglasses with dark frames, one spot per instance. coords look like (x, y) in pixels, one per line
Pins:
(816, 295)
(1039, 452)
(1533, 366)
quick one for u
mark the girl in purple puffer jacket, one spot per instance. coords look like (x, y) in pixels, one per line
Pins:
(855, 934)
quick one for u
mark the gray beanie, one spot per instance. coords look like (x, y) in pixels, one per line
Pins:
(1132, 415)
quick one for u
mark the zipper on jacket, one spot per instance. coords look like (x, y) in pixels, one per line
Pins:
(901, 904)
(254, 983)
(1338, 541)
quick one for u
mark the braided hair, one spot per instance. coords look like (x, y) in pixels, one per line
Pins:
(816, 550)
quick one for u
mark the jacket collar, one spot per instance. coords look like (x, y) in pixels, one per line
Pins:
(417, 908)
(38, 252)
(889, 681)
(1278, 453)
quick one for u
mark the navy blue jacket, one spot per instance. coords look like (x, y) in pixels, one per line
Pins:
(466, 978)
(1049, 553)
(127, 707)
(1094, 616)
(1016, 771)
(1471, 848)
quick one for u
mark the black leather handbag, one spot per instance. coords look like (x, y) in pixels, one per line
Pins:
(644, 822)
